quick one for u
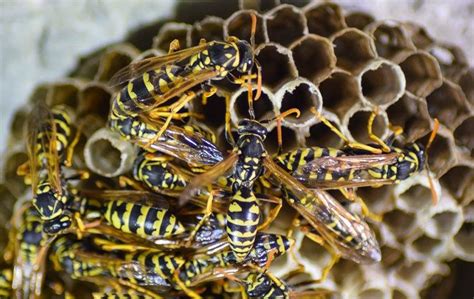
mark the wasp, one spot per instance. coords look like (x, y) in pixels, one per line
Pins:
(346, 233)
(50, 147)
(6, 278)
(125, 294)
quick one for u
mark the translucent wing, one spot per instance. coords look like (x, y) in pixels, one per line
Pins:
(134, 196)
(343, 231)
(135, 69)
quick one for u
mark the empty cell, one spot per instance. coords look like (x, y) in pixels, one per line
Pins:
(240, 26)
(418, 35)
(301, 95)
(399, 294)
(422, 73)
(414, 273)
(314, 57)
(289, 138)
(358, 126)
(463, 135)
(416, 197)
(371, 294)
(18, 125)
(411, 114)
(391, 256)
(391, 41)
(464, 240)
(445, 223)
(213, 112)
(114, 60)
(440, 154)
(94, 99)
(451, 58)
(468, 212)
(400, 223)
(277, 65)
(358, 20)
(263, 107)
(354, 49)
(340, 92)
(427, 246)
(321, 135)
(14, 182)
(285, 24)
(447, 103)
(63, 93)
(39, 94)
(314, 252)
(382, 83)
(210, 28)
(457, 179)
(169, 32)
(466, 82)
(325, 19)
(379, 200)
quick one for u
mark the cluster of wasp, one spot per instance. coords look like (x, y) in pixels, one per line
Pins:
(191, 220)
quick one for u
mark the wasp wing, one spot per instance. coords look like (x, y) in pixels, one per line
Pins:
(133, 196)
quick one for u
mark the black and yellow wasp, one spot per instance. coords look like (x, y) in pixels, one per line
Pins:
(6, 278)
(50, 147)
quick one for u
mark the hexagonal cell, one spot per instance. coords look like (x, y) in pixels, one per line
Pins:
(240, 26)
(422, 73)
(94, 99)
(451, 58)
(321, 135)
(354, 49)
(358, 126)
(6, 204)
(420, 38)
(285, 24)
(391, 256)
(457, 179)
(63, 93)
(427, 246)
(277, 64)
(358, 20)
(263, 107)
(314, 252)
(444, 223)
(382, 82)
(391, 41)
(210, 28)
(371, 294)
(441, 153)
(213, 112)
(289, 137)
(447, 103)
(222, 143)
(413, 273)
(15, 183)
(300, 94)
(400, 223)
(411, 114)
(169, 32)
(416, 198)
(399, 294)
(468, 212)
(378, 200)
(114, 60)
(463, 135)
(464, 241)
(314, 57)
(18, 124)
(466, 81)
(340, 92)
(324, 19)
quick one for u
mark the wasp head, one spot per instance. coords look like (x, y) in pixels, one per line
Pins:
(248, 126)
(246, 56)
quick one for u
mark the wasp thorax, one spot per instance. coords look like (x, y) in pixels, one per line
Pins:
(248, 126)
(221, 54)
(246, 56)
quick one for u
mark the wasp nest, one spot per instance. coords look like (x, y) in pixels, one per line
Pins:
(345, 64)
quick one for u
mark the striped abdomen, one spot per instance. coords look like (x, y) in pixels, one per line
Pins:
(163, 264)
(291, 161)
(242, 221)
(6, 277)
(144, 221)
(205, 264)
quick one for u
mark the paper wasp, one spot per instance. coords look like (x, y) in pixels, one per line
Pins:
(6, 278)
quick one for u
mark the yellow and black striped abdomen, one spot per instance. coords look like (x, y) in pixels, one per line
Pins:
(161, 263)
(124, 294)
(6, 277)
(242, 221)
(142, 220)
(260, 285)
(291, 161)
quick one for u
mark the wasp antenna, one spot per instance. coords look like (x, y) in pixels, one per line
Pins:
(259, 80)
(433, 133)
(250, 95)
(253, 30)
(434, 194)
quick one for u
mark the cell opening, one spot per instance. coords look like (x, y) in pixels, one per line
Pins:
(15, 183)
(418, 35)
(94, 99)
(422, 74)
(440, 154)
(277, 65)
(289, 138)
(391, 256)
(358, 126)
(302, 98)
(353, 49)
(416, 197)
(383, 84)
(314, 57)
(426, 245)
(359, 20)
(398, 294)
(467, 85)
(213, 112)
(340, 92)
(378, 200)
(464, 239)
(63, 93)
(170, 32)
(211, 28)
(390, 40)
(371, 294)
(314, 252)
(446, 103)
(105, 156)
(457, 179)
(321, 135)
(285, 25)
(325, 19)
(463, 135)
(18, 124)
(263, 107)
(240, 26)
(412, 273)
(445, 222)
(451, 59)
(401, 223)
(110, 63)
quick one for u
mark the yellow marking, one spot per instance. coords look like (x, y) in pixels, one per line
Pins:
(332, 224)
(207, 61)
(328, 176)
(163, 85)
(131, 94)
(349, 238)
(148, 85)
(243, 222)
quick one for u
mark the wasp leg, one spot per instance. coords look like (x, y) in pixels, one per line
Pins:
(354, 145)
(174, 46)
(352, 196)
(205, 217)
(190, 293)
(273, 212)
(372, 136)
(228, 130)
(334, 256)
(209, 91)
(79, 175)
(72, 147)
(111, 246)
(294, 224)
(125, 181)
(139, 289)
